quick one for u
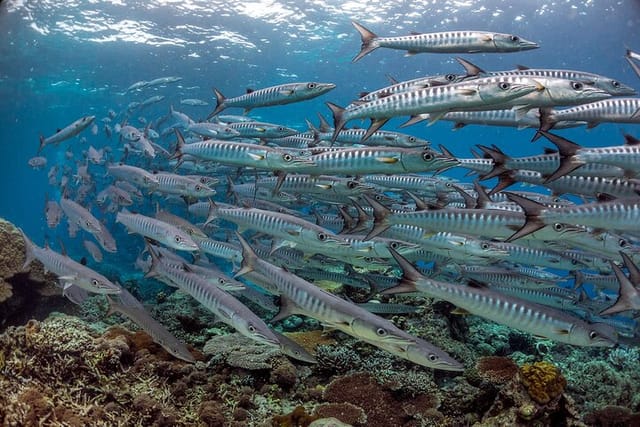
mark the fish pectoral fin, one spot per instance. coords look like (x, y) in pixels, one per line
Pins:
(286, 92)
(466, 91)
(324, 186)
(487, 38)
(256, 156)
(387, 159)
(561, 331)
(460, 311)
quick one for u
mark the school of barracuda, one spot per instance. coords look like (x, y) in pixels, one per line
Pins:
(367, 207)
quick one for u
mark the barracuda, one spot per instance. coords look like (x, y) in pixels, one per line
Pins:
(261, 130)
(573, 156)
(224, 250)
(80, 216)
(240, 154)
(619, 214)
(516, 313)
(617, 110)
(302, 297)
(503, 117)
(384, 160)
(133, 174)
(170, 183)
(629, 294)
(481, 93)
(69, 272)
(571, 184)
(274, 95)
(443, 42)
(225, 306)
(311, 184)
(310, 237)
(157, 230)
(546, 164)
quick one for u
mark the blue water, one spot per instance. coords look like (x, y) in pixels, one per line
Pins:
(60, 60)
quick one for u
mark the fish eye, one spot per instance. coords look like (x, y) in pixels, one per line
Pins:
(88, 223)
(427, 156)
(412, 139)
(381, 332)
(450, 77)
(198, 187)
(287, 157)
(515, 38)
(251, 328)
(311, 86)
(504, 85)
(394, 245)
(484, 246)
(95, 282)
(433, 357)
(622, 243)
(615, 83)
(558, 227)
(593, 335)
(178, 239)
(352, 184)
(577, 85)
(322, 237)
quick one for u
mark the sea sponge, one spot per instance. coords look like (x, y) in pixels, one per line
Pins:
(543, 381)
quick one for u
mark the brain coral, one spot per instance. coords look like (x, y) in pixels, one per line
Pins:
(543, 381)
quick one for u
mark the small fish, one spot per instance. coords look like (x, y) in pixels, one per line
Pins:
(193, 102)
(52, 212)
(38, 162)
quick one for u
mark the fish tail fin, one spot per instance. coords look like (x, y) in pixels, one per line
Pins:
(338, 120)
(532, 212)
(155, 261)
(249, 257)
(625, 296)
(410, 275)
(29, 255)
(369, 42)
(380, 214)
(41, 146)
(220, 105)
(177, 154)
(212, 214)
(567, 150)
(579, 278)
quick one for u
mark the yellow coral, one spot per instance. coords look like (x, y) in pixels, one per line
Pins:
(543, 381)
(311, 339)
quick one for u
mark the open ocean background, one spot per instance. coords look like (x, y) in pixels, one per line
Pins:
(60, 60)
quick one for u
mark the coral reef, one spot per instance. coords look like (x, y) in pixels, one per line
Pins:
(543, 381)
(496, 369)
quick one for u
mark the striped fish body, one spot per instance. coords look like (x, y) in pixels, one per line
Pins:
(443, 42)
(274, 95)
(507, 310)
(379, 138)
(520, 254)
(68, 270)
(415, 183)
(611, 86)
(626, 157)
(67, 132)
(580, 185)
(157, 230)
(170, 183)
(502, 117)
(213, 130)
(308, 184)
(80, 216)
(133, 174)
(219, 249)
(242, 154)
(385, 160)
(483, 92)
(261, 130)
(226, 307)
(407, 85)
(617, 110)
(302, 297)
(621, 214)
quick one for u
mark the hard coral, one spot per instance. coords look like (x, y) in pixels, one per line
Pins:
(543, 381)
(496, 369)
(239, 351)
(296, 418)
(345, 412)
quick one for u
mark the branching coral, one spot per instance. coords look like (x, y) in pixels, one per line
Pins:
(543, 381)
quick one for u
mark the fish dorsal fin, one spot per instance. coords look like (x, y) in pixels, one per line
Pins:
(249, 90)
(631, 140)
(548, 150)
(471, 68)
(287, 308)
(392, 79)
(605, 197)
(476, 284)
(522, 67)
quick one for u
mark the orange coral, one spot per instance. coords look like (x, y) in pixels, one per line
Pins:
(543, 381)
